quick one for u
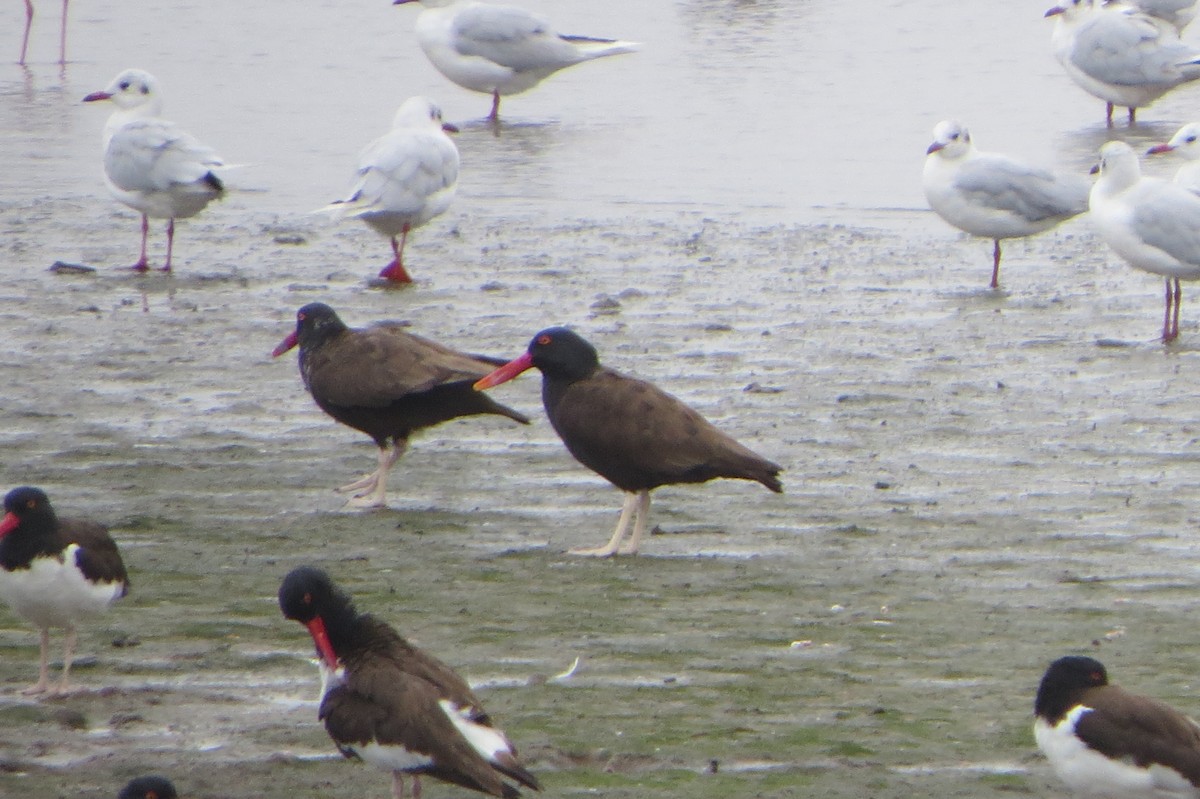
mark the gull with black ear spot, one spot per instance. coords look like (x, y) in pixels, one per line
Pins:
(1186, 144)
(992, 195)
(150, 164)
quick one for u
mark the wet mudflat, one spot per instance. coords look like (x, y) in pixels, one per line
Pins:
(976, 482)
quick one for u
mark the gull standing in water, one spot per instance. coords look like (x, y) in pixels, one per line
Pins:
(404, 179)
(992, 195)
(152, 165)
(1120, 54)
(500, 50)
(1152, 223)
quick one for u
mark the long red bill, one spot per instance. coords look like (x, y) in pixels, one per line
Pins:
(285, 345)
(316, 628)
(505, 373)
(9, 523)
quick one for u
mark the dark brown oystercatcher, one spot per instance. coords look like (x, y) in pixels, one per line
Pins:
(387, 383)
(53, 572)
(1106, 742)
(148, 788)
(628, 431)
(388, 703)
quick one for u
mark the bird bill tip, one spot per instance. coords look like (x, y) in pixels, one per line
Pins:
(1054, 12)
(285, 345)
(1159, 148)
(94, 96)
(933, 148)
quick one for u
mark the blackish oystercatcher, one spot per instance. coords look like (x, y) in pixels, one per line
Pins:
(1107, 743)
(388, 703)
(148, 788)
(54, 572)
(387, 383)
(628, 431)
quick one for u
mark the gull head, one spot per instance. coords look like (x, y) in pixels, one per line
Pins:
(1185, 142)
(951, 140)
(1118, 166)
(420, 112)
(133, 88)
(1070, 9)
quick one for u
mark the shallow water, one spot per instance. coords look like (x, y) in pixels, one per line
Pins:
(977, 482)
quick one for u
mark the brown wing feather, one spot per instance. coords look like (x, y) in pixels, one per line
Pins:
(382, 704)
(1124, 725)
(98, 557)
(638, 436)
(376, 366)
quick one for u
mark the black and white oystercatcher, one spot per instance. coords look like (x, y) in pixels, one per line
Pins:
(387, 383)
(628, 431)
(388, 703)
(1106, 742)
(54, 572)
(148, 788)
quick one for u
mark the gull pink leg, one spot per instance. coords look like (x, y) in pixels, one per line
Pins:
(395, 271)
(996, 264)
(142, 265)
(62, 36)
(1178, 305)
(28, 25)
(170, 244)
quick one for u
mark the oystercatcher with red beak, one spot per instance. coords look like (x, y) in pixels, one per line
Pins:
(390, 704)
(54, 572)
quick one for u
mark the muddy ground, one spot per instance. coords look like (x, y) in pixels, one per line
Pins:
(977, 482)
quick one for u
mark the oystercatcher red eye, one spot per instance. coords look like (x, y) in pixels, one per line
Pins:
(307, 599)
(544, 340)
(300, 317)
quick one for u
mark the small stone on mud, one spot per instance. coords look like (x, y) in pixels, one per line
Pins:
(125, 640)
(64, 268)
(124, 719)
(290, 238)
(493, 285)
(759, 388)
(606, 304)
